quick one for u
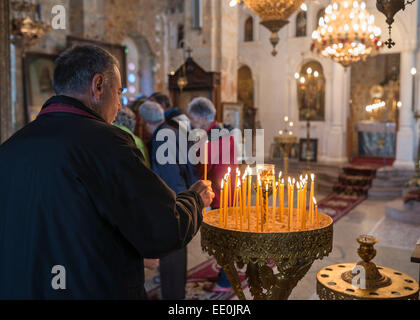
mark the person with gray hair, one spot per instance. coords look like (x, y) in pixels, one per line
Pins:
(202, 114)
(126, 120)
(179, 177)
(80, 210)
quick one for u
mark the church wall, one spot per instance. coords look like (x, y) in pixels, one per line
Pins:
(276, 86)
(103, 20)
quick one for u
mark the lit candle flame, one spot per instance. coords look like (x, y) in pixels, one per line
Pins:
(282, 181)
(280, 174)
(314, 200)
(312, 177)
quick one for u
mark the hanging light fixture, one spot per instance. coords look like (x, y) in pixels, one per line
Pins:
(27, 26)
(273, 14)
(389, 8)
(347, 33)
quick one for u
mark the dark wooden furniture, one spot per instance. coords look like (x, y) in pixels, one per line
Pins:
(200, 83)
(415, 257)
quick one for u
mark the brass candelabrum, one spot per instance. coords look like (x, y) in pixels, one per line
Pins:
(286, 140)
(276, 259)
(365, 280)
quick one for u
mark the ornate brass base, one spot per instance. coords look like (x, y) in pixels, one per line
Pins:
(275, 261)
(364, 280)
(331, 286)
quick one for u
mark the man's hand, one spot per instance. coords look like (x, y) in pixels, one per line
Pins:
(203, 188)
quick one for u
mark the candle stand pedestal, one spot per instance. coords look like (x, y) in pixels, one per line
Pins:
(276, 260)
(286, 144)
(365, 280)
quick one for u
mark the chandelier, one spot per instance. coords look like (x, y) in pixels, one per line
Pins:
(26, 24)
(274, 15)
(389, 8)
(347, 33)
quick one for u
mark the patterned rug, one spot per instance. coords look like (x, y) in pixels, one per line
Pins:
(198, 278)
(338, 205)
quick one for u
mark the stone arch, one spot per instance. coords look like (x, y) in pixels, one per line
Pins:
(146, 64)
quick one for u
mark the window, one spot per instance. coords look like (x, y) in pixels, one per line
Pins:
(311, 92)
(319, 15)
(301, 24)
(249, 30)
(180, 37)
(197, 14)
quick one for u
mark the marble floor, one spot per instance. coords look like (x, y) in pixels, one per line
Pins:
(397, 240)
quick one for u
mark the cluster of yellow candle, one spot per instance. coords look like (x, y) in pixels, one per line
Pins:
(239, 204)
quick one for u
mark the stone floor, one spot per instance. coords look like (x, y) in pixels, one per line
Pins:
(397, 240)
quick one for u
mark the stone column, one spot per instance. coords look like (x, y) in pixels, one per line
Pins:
(5, 90)
(405, 136)
(336, 148)
(229, 52)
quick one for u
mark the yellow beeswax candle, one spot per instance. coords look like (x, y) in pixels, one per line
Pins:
(240, 205)
(257, 204)
(225, 202)
(248, 211)
(229, 188)
(316, 213)
(261, 209)
(275, 185)
(221, 206)
(291, 205)
(298, 191)
(205, 159)
(266, 206)
(311, 197)
(281, 201)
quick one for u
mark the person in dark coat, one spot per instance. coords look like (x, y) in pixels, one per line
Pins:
(179, 175)
(79, 208)
(173, 115)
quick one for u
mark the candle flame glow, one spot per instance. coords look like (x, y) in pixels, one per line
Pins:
(314, 200)
(312, 177)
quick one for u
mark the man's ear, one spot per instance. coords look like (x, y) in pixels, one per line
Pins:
(97, 86)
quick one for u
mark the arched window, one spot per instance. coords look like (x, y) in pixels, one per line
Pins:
(249, 30)
(246, 95)
(301, 22)
(319, 15)
(180, 36)
(311, 92)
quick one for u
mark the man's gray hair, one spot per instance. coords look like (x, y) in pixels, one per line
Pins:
(76, 67)
(151, 112)
(202, 108)
(127, 118)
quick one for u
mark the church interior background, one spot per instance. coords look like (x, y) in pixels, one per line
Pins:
(361, 119)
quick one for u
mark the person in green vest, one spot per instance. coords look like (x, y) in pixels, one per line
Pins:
(126, 120)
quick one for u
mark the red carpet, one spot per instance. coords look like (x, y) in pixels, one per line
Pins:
(204, 274)
(372, 162)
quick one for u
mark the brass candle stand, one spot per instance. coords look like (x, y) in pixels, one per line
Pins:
(365, 280)
(286, 144)
(276, 259)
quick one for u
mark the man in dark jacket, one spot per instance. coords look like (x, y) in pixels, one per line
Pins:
(79, 209)
(173, 115)
(179, 176)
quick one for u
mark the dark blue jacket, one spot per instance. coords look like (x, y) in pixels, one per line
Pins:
(179, 177)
